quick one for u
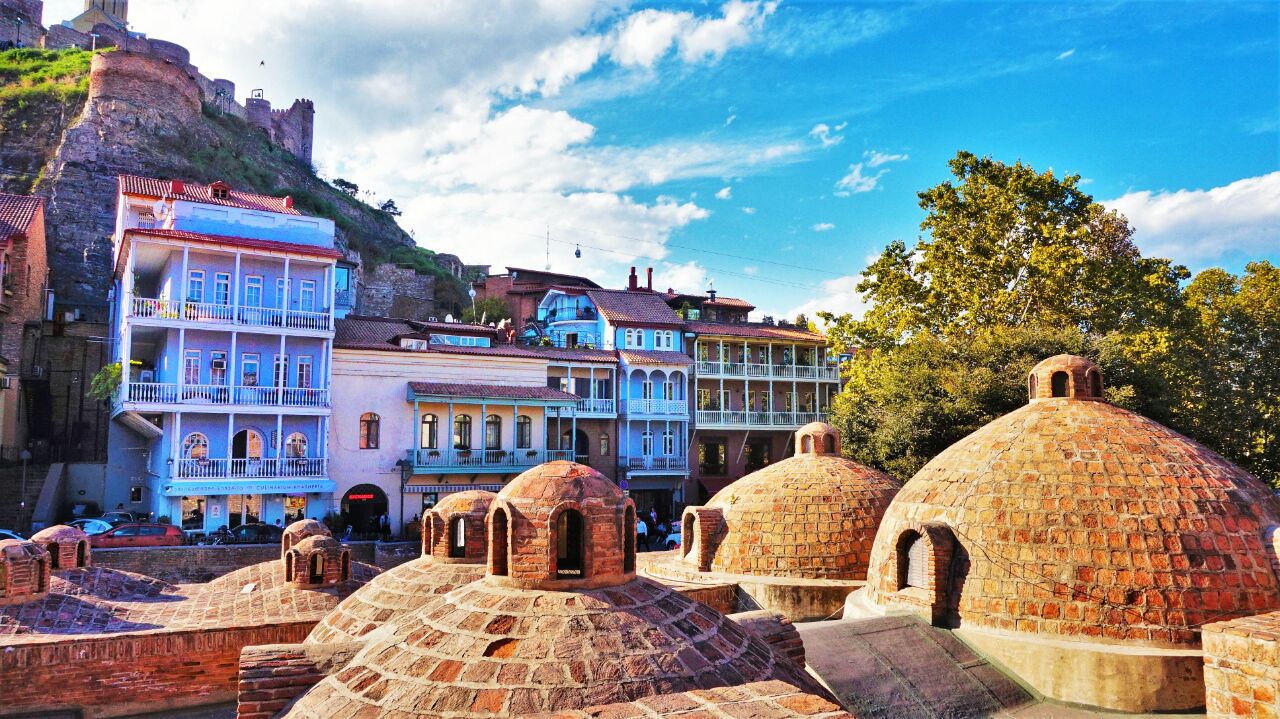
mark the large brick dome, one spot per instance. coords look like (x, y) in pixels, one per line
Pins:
(812, 516)
(1075, 518)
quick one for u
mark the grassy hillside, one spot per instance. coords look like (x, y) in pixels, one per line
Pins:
(40, 92)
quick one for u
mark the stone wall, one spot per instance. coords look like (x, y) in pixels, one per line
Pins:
(63, 422)
(118, 675)
(1242, 668)
(201, 564)
(394, 291)
(20, 23)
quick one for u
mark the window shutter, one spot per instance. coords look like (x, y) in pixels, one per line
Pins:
(918, 564)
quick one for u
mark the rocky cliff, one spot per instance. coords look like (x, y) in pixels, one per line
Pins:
(66, 134)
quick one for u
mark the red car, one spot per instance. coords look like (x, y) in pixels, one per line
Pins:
(139, 535)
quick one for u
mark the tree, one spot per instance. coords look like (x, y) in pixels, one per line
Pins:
(490, 309)
(390, 208)
(350, 189)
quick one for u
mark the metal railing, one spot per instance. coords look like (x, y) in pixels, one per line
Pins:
(656, 406)
(486, 458)
(171, 393)
(652, 463)
(597, 406)
(758, 419)
(766, 371)
(213, 313)
(251, 468)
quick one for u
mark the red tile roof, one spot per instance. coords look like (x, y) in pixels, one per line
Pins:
(196, 192)
(246, 242)
(704, 300)
(491, 391)
(17, 212)
(380, 333)
(655, 357)
(626, 307)
(757, 330)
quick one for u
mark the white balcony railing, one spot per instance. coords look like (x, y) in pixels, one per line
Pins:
(656, 406)
(655, 463)
(766, 371)
(597, 406)
(213, 313)
(169, 393)
(486, 458)
(251, 468)
(706, 417)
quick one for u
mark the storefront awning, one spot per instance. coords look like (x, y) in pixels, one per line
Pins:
(179, 488)
(448, 488)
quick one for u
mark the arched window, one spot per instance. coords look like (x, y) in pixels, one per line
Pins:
(462, 431)
(629, 540)
(524, 432)
(686, 535)
(806, 444)
(1059, 384)
(427, 435)
(82, 553)
(646, 443)
(195, 446)
(290, 560)
(55, 555)
(1032, 386)
(296, 446)
(493, 432)
(913, 561)
(370, 428)
(829, 443)
(457, 538)
(317, 569)
(346, 565)
(569, 545)
(1095, 384)
(498, 544)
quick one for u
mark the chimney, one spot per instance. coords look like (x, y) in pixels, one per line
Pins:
(288, 202)
(650, 284)
(711, 294)
(633, 281)
(176, 187)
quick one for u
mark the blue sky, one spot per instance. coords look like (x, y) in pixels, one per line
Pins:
(770, 148)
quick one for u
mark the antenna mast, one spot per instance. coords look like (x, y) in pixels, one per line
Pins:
(548, 248)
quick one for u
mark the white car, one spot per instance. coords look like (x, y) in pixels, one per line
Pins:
(672, 540)
(91, 526)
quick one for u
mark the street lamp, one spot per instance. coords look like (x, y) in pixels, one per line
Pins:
(406, 473)
(94, 46)
(25, 456)
(471, 292)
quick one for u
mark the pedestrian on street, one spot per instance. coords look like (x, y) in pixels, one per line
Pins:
(642, 535)
(653, 517)
(384, 527)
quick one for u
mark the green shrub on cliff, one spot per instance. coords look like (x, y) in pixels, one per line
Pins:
(33, 77)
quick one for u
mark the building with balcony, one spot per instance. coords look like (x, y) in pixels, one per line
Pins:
(23, 290)
(222, 323)
(426, 409)
(522, 290)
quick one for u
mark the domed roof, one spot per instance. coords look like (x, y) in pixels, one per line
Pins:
(306, 528)
(59, 533)
(813, 515)
(561, 481)
(485, 650)
(318, 543)
(20, 549)
(472, 501)
(1072, 517)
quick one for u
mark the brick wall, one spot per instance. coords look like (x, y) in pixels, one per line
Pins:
(1242, 668)
(271, 676)
(125, 675)
(28, 276)
(201, 564)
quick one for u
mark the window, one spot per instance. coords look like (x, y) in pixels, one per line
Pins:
(524, 432)
(668, 443)
(462, 431)
(191, 367)
(1095, 384)
(195, 446)
(569, 545)
(704, 399)
(135, 494)
(342, 279)
(664, 340)
(280, 291)
(217, 367)
(724, 400)
(1059, 384)
(711, 457)
(498, 544)
(370, 426)
(427, 431)
(222, 288)
(493, 432)
(296, 446)
(668, 390)
(604, 388)
(457, 538)
(249, 370)
(304, 372)
(913, 562)
(195, 286)
(307, 296)
(646, 390)
(219, 191)
(646, 443)
(280, 377)
(633, 339)
(604, 445)
(766, 401)
(253, 291)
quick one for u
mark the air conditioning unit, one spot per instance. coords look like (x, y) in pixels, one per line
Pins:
(6, 382)
(218, 364)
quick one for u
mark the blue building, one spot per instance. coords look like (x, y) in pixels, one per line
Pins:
(223, 321)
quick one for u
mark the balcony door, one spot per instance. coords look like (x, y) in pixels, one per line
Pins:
(580, 444)
(246, 453)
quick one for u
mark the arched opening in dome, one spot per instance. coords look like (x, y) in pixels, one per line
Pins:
(686, 535)
(82, 553)
(913, 561)
(570, 545)
(498, 543)
(5, 589)
(42, 575)
(1058, 383)
(345, 566)
(932, 568)
(289, 561)
(428, 529)
(55, 559)
(1032, 386)
(629, 540)
(829, 443)
(1095, 383)
(806, 445)
(457, 538)
(316, 573)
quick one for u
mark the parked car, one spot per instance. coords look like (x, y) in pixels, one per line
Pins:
(256, 533)
(116, 519)
(139, 535)
(91, 526)
(9, 534)
(672, 540)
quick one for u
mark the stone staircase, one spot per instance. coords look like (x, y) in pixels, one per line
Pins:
(11, 491)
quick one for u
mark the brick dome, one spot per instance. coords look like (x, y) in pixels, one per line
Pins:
(317, 561)
(24, 571)
(1078, 519)
(454, 529)
(299, 531)
(488, 650)
(561, 525)
(68, 547)
(811, 516)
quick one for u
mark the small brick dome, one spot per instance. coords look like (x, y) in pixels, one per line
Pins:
(1078, 519)
(811, 516)
(299, 531)
(317, 561)
(1065, 377)
(24, 571)
(562, 525)
(68, 547)
(454, 529)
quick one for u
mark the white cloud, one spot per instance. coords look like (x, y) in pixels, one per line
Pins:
(681, 277)
(838, 295)
(823, 227)
(751, 270)
(876, 159)
(855, 182)
(1066, 54)
(1199, 227)
(729, 120)
(749, 210)
(724, 193)
(712, 38)
(827, 135)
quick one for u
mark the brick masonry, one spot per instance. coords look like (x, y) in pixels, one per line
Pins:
(758, 700)
(202, 564)
(1242, 668)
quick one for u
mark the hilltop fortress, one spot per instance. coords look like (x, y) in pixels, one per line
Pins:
(105, 23)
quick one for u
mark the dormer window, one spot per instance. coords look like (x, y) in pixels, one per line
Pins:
(220, 190)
